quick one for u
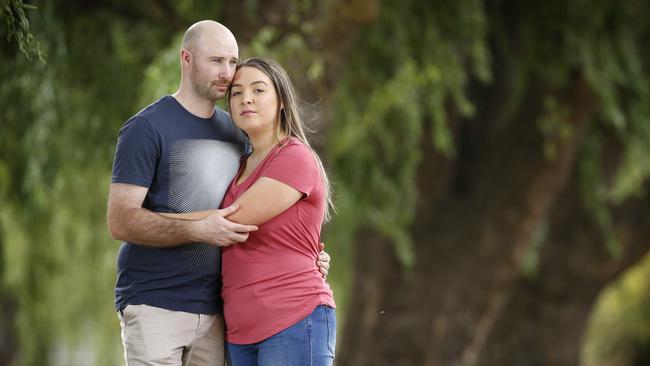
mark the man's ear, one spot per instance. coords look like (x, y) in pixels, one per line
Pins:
(186, 56)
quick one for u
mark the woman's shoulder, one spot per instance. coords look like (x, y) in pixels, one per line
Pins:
(294, 144)
(296, 153)
(294, 163)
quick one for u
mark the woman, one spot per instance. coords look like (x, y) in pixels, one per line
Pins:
(278, 308)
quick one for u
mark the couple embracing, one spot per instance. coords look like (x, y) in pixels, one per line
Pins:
(185, 265)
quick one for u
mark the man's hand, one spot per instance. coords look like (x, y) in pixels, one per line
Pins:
(323, 262)
(215, 229)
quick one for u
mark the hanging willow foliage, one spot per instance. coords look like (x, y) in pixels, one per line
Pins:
(405, 69)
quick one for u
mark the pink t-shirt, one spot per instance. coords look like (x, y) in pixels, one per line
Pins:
(271, 281)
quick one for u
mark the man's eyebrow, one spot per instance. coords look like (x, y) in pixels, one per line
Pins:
(236, 59)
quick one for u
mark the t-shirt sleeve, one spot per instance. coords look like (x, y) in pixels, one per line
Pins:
(294, 165)
(136, 154)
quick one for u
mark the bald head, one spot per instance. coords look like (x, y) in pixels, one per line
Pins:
(208, 55)
(206, 32)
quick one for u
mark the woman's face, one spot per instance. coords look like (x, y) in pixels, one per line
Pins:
(253, 101)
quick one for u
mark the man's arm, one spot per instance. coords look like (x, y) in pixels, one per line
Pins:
(128, 221)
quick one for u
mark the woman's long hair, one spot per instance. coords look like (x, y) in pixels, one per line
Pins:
(291, 122)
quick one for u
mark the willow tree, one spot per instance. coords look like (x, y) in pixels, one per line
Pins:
(492, 158)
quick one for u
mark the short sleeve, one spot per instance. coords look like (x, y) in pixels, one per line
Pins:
(294, 165)
(136, 154)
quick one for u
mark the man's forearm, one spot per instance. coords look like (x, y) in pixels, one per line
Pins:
(190, 216)
(142, 226)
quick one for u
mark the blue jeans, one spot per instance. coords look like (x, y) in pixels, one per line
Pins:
(310, 342)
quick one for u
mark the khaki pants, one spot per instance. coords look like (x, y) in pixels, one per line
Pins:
(154, 337)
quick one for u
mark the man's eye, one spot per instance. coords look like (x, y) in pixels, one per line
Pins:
(233, 63)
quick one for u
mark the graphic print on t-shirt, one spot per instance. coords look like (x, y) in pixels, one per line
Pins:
(199, 174)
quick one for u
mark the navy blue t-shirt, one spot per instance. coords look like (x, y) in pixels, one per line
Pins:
(187, 163)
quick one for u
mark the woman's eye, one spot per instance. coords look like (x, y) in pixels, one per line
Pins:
(235, 93)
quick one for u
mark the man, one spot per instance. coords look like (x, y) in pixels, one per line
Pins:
(178, 155)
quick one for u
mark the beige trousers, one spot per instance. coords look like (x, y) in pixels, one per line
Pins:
(154, 337)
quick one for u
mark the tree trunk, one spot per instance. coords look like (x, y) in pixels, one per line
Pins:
(545, 320)
(8, 339)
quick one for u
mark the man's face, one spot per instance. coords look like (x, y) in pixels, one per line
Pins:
(213, 67)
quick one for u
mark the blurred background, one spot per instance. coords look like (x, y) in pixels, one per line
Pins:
(490, 160)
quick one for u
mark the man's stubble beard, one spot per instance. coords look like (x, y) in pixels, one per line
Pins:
(205, 90)
(207, 93)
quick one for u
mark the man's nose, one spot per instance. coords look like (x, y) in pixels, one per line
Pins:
(227, 73)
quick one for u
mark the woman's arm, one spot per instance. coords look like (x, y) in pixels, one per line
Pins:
(264, 200)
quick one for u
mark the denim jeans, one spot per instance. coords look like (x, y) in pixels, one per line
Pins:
(310, 342)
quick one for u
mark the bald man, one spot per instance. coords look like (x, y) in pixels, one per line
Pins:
(178, 155)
